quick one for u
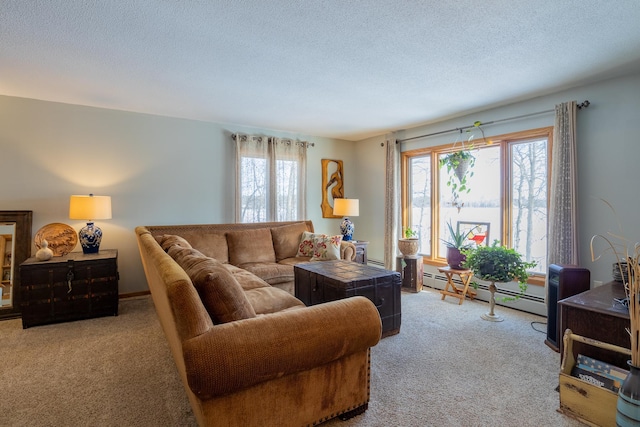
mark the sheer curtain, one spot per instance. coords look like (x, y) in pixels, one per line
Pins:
(563, 212)
(271, 178)
(391, 202)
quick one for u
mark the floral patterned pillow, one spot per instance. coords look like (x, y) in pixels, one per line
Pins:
(326, 247)
(306, 244)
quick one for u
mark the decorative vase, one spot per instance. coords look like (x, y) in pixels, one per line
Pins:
(455, 258)
(90, 238)
(44, 253)
(491, 316)
(347, 228)
(409, 247)
(628, 406)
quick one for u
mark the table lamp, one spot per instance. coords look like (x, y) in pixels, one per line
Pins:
(346, 208)
(89, 208)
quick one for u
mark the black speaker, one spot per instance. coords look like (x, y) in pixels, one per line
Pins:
(563, 281)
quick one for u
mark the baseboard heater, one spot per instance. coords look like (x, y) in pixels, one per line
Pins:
(432, 280)
(485, 287)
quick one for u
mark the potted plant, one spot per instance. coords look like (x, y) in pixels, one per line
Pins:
(456, 243)
(410, 245)
(500, 264)
(459, 165)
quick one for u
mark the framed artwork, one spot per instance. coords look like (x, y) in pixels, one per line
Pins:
(332, 186)
(479, 234)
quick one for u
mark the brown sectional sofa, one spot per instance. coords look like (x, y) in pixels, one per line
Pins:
(266, 249)
(249, 353)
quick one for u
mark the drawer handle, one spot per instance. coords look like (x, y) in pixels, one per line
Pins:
(381, 303)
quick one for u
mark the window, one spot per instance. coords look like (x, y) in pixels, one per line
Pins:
(507, 198)
(270, 179)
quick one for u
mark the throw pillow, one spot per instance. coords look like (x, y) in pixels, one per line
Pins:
(305, 248)
(168, 240)
(220, 292)
(286, 239)
(222, 295)
(326, 248)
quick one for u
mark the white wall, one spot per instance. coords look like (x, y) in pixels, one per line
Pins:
(608, 156)
(158, 170)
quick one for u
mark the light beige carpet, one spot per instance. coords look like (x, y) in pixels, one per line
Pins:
(447, 367)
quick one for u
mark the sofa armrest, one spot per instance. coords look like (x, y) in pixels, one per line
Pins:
(237, 355)
(347, 251)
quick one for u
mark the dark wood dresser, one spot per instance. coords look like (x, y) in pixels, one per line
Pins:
(323, 281)
(71, 287)
(595, 314)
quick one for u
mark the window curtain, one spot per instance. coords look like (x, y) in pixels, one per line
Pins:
(270, 179)
(563, 221)
(391, 202)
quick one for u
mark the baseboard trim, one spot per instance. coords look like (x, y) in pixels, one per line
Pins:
(134, 294)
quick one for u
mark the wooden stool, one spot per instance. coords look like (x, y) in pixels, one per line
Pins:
(465, 277)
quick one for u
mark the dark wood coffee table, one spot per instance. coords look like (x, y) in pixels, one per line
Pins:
(323, 281)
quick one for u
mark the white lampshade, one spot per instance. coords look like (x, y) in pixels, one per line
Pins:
(90, 207)
(346, 207)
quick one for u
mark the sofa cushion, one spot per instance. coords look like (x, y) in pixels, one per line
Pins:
(272, 300)
(220, 292)
(250, 246)
(271, 272)
(168, 240)
(213, 245)
(326, 248)
(247, 280)
(286, 239)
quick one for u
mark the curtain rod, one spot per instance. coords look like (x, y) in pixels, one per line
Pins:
(582, 105)
(234, 136)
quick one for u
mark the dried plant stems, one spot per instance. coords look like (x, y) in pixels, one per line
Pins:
(620, 246)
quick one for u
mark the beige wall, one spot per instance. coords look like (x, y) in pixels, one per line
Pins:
(158, 170)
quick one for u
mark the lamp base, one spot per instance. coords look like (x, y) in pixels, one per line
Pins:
(347, 228)
(90, 238)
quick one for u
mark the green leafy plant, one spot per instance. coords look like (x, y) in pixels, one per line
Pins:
(409, 233)
(459, 166)
(497, 263)
(458, 239)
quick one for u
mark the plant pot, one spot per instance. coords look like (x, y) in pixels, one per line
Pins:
(461, 169)
(455, 258)
(628, 405)
(409, 247)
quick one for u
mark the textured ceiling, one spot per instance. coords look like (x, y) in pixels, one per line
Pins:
(339, 68)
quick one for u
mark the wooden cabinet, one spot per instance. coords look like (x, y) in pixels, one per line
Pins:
(72, 287)
(597, 314)
(361, 251)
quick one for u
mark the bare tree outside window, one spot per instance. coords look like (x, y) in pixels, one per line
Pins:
(271, 179)
(509, 189)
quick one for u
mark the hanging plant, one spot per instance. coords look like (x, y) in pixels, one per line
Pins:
(459, 168)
